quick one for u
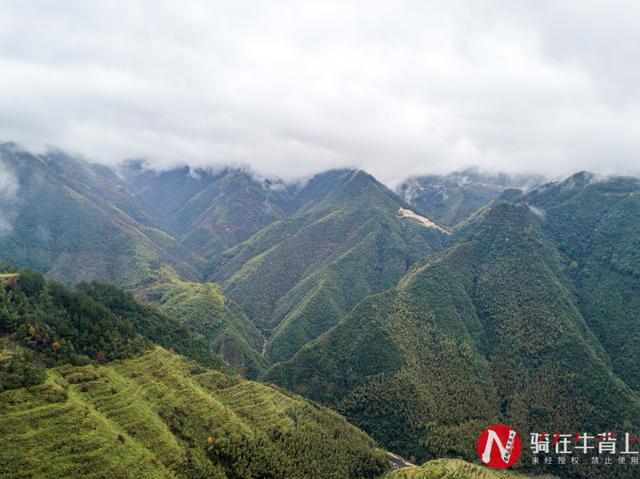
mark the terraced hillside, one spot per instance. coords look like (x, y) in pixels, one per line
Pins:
(159, 415)
(85, 391)
(453, 469)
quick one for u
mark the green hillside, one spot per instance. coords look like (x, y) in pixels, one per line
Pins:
(98, 323)
(209, 211)
(86, 392)
(74, 222)
(159, 415)
(297, 277)
(522, 309)
(221, 322)
(228, 212)
(596, 224)
(493, 322)
(164, 193)
(452, 469)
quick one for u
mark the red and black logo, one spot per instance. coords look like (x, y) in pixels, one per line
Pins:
(499, 446)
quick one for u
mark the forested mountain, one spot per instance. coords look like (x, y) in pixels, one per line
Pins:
(98, 322)
(111, 404)
(76, 222)
(296, 278)
(596, 224)
(452, 198)
(210, 211)
(422, 316)
(326, 244)
(318, 247)
(511, 321)
(203, 307)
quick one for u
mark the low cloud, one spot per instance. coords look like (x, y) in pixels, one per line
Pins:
(8, 197)
(539, 212)
(291, 88)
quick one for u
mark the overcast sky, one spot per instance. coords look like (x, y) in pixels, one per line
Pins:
(293, 87)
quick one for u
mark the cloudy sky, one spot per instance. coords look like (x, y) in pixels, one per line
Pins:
(293, 87)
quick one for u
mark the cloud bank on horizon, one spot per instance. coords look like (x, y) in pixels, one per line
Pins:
(290, 88)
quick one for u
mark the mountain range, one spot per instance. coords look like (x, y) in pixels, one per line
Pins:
(421, 315)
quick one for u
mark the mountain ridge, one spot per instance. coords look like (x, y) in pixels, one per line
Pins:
(480, 300)
(348, 294)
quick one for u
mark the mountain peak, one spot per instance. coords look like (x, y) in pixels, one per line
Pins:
(581, 178)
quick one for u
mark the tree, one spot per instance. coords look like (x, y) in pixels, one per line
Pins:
(21, 371)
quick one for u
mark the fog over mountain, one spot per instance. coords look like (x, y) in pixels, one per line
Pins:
(8, 197)
(324, 239)
(292, 88)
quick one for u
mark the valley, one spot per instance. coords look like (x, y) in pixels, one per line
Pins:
(254, 308)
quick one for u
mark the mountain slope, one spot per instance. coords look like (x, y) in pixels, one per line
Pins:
(452, 198)
(451, 469)
(596, 223)
(297, 277)
(164, 192)
(68, 219)
(220, 321)
(110, 404)
(230, 211)
(97, 323)
(498, 313)
(209, 211)
(159, 415)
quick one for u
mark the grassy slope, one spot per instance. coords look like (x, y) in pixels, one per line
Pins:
(219, 320)
(451, 469)
(160, 415)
